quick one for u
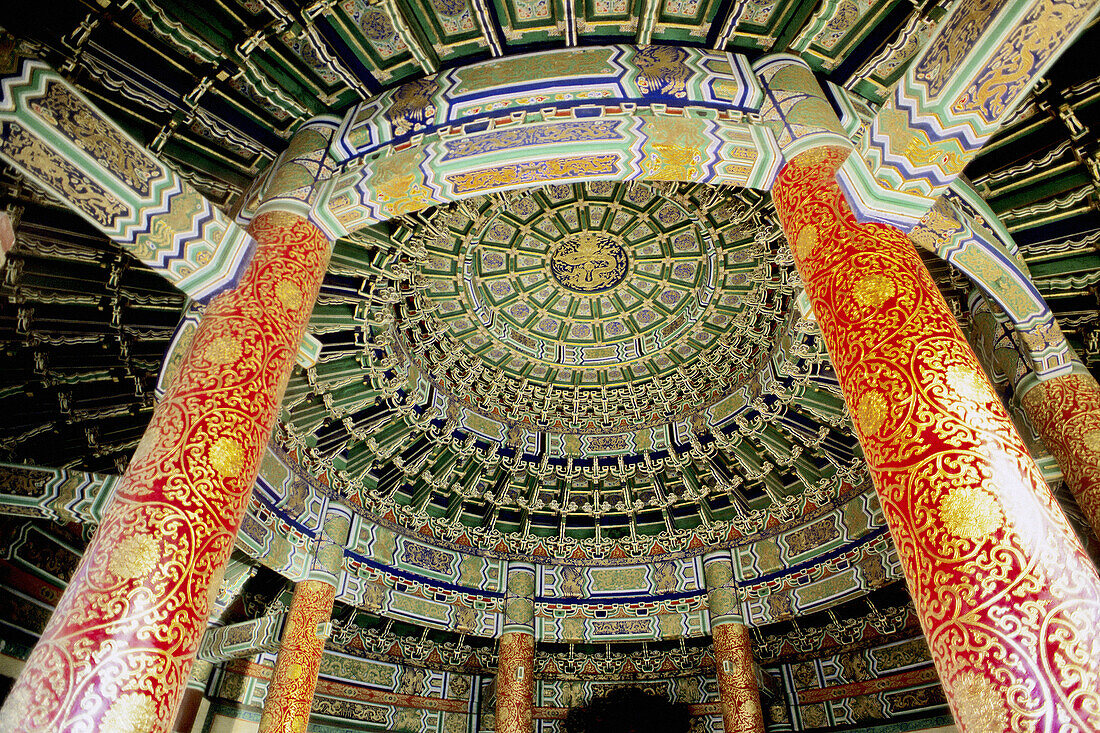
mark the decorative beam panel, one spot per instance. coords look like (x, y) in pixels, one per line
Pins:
(52, 134)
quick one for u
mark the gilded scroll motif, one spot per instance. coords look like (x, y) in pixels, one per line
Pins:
(1065, 410)
(515, 683)
(131, 713)
(290, 694)
(1020, 58)
(508, 139)
(135, 556)
(737, 688)
(541, 171)
(222, 350)
(943, 58)
(428, 558)
(1007, 598)
(89, 198)
(169, 530)
(76, 121)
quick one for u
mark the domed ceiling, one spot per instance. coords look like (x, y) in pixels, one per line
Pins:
(591, 361)
(595, 371)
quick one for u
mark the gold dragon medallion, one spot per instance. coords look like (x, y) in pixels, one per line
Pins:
(589, 263)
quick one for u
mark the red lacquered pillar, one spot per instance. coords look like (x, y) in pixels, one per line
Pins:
(733, 662)
(1065, 412)
(1009, 602)
(290, 693)
(515, 668)
(116, 654)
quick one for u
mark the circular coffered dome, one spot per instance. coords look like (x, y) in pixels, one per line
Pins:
(582, 362)
(585, 310)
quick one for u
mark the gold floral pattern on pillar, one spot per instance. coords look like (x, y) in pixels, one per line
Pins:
(132, 616)
(515, 683)
(290, 694)
(1066, 412)
(1008, 600)
(737, 686)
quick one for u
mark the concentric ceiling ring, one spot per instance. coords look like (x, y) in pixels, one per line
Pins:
(480, 391)
(593, 303)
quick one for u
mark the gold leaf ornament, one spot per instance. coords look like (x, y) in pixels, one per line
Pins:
(871, 413)
(805, 241)
(1092, 440)
(872, 291)
(979, 704)
(135, 556)
(812, 157)
(289, 294)
(967, 384)
(131, 713)
(970, 512)
(226, 457)
(223, 350)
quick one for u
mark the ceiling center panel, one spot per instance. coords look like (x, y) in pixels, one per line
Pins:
(589, 263)
(584, 307)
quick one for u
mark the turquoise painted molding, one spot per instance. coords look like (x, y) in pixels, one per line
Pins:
(953, 97)
(53, 135)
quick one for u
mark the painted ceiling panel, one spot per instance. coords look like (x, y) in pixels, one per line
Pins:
(559, 340)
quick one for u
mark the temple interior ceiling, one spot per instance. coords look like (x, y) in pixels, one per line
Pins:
(604, 374)
(586, 359)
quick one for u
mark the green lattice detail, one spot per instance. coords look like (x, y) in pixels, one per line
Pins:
(676, 279)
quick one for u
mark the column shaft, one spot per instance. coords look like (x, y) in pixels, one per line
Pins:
(737, 688)
(1065, 412)
(290, 693)
(733, 662)
(516, 665)
(116, 654)
(515, 682)
(1009, 602)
